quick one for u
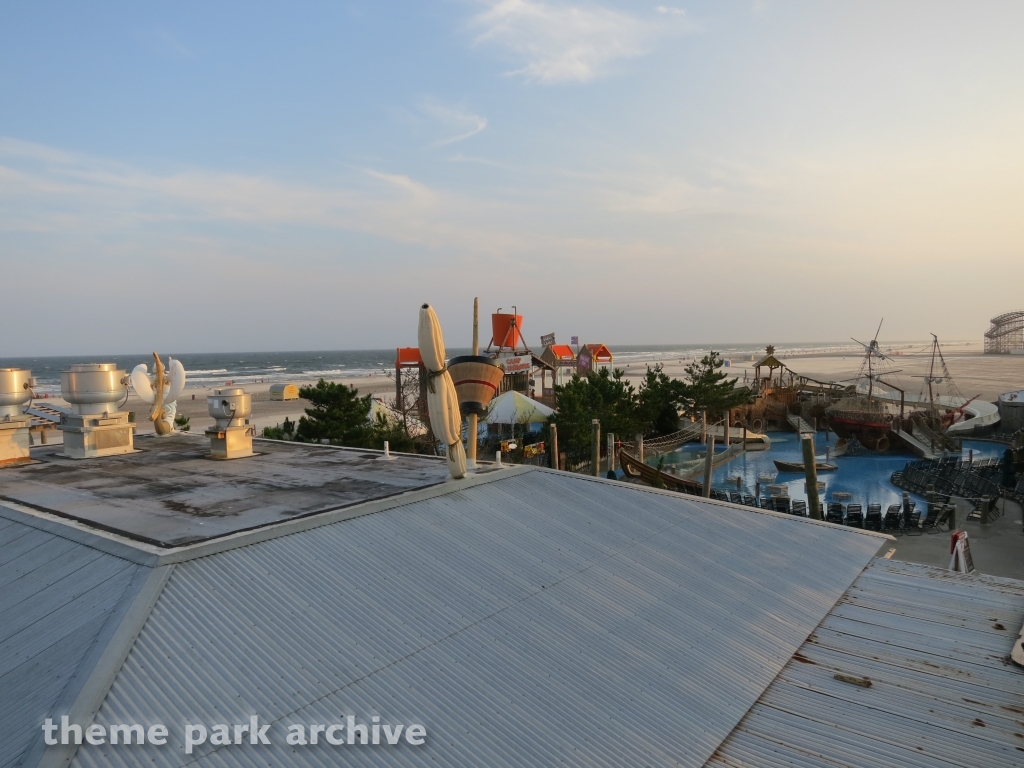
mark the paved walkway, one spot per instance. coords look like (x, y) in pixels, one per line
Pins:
(997, 548)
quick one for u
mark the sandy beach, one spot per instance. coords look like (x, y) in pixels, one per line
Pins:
(974, 373)
(265, 412)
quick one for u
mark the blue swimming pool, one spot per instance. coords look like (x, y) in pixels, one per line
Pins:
(865, 477)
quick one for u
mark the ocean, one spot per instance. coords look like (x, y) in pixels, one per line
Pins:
(206, 369)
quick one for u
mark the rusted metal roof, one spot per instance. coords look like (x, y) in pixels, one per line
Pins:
(943, 692)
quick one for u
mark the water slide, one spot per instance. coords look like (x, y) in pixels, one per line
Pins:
(917, 445)
(977, 413)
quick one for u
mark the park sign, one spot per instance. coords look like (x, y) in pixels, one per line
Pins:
(516, 363)
(585, 361)
(547, 340)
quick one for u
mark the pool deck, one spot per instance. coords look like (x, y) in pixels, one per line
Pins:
(996, 548)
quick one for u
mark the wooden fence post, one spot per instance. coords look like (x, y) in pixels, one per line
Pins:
(811, 475)
(554, 447)
(708, 466)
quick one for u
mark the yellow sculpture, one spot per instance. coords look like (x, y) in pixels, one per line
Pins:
(161, 390)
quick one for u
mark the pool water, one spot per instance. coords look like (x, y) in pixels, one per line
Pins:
(865, 477)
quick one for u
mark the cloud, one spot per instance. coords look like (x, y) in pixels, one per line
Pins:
(62, 195)
(563, 42)
(466, 123)
(668, 10)
(461, 158)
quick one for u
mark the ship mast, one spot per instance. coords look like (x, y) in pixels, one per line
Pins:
(872, 348)
(871, 378)
(931, 374)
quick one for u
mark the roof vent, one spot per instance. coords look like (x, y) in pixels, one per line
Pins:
(15, 439)
(231, 437)
(96, 425)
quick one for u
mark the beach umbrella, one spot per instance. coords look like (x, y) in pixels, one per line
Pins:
(442, 400)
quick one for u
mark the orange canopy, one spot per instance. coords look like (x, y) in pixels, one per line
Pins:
(562, 352)
(600, 353)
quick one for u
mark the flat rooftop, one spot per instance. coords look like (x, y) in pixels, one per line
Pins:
(170, 493)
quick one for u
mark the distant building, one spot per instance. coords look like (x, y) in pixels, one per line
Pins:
(563, 360)
(593, 357)
(284, 392)
(1011, 410)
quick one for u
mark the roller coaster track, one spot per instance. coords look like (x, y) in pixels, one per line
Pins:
(1006, 333)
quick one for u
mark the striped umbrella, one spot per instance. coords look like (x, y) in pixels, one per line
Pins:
(442, 401)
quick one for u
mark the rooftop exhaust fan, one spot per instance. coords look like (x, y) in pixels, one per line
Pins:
(15, 439)
(96, 425)
(231, 437)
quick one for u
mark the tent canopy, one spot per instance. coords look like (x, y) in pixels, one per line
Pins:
(514, 408)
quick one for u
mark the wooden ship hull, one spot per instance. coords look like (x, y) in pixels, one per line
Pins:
(798, 466)
(871, 427)
(633, 467)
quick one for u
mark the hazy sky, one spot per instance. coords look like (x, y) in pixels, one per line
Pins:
(263, 176)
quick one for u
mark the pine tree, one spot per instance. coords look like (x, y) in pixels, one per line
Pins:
(708, 389)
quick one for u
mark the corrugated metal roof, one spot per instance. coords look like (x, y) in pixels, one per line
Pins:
(537, 619)
(55, 596)
(935, 647)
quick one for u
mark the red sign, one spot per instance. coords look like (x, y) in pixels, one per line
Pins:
(960, 551)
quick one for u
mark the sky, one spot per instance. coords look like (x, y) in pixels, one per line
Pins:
(294, 176)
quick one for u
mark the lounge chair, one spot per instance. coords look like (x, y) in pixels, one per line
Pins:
(873, 518)
(781, 503)
(912, 521)
(855, 515)
(834, 513)
(891, 522)
(937, 513)
(735, 497)
(749, 500)
(800, 508)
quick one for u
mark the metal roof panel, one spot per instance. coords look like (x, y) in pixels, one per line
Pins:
(539, 618)
(55, 596)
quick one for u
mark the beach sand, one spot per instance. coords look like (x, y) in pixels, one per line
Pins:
(974, 373)
(265, 412)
